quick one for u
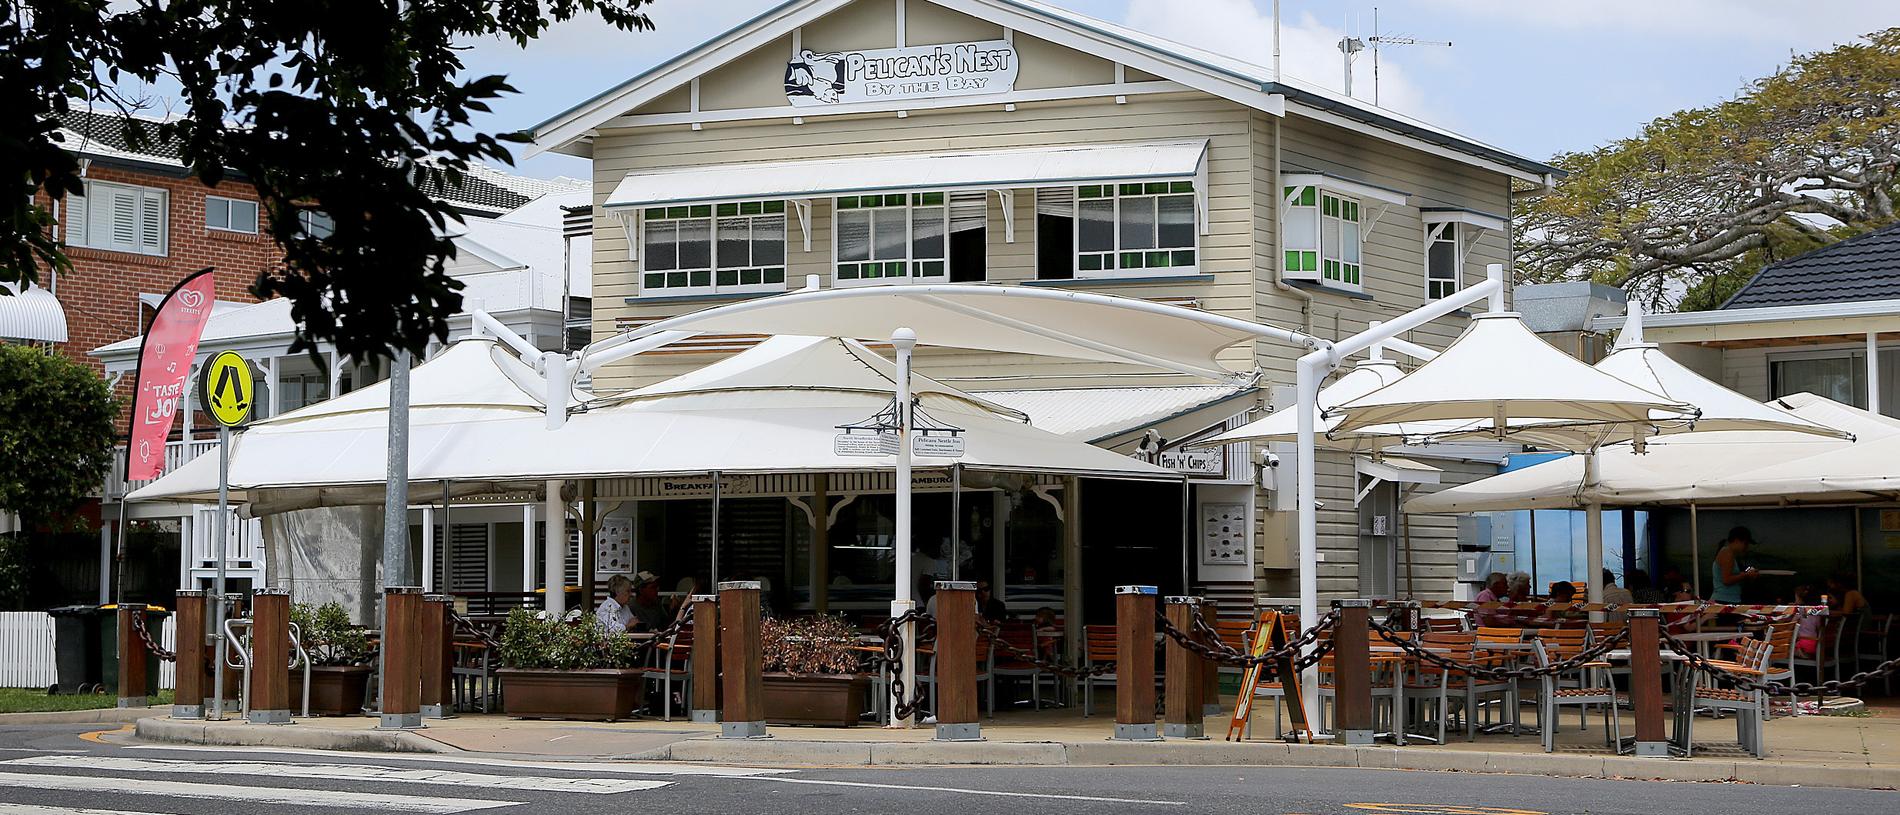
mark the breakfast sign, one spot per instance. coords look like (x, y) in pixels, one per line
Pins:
(919, 72)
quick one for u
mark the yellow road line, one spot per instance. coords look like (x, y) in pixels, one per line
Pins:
(98, 736)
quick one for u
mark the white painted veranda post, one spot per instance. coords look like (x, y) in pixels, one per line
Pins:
(905, 341)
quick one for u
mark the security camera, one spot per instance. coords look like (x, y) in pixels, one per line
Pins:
(1268, 458)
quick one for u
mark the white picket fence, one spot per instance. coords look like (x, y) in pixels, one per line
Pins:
(27, 650)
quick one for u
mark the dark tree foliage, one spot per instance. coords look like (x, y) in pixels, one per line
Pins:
(56, 436)
(348, 107)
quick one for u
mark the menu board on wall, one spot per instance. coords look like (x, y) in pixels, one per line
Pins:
(613, 547)
(1224, 534)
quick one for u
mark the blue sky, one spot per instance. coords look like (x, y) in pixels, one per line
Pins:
(1534, 76)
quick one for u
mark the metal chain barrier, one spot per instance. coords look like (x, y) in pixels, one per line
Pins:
(145, 636)
(1215, 650)
(1832, 687)
(1589, 654)
(893, 657)
(1057, 666)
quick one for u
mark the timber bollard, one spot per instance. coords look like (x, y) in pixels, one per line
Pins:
(955, 662)
(131, 656)
(270, 656)
(191, 667)
(1352, 672)
(741, 654)
(438, 657)
(705, 658)
(1646, 696)
(1135, 663)
(1210, 669)
(1183, 677)
(401, 686)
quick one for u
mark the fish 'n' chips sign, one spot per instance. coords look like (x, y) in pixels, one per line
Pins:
(919, 72)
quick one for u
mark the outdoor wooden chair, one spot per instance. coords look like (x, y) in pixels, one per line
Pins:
(1098, 647)
(1749, 706)
(1432, 684)
(1827, 652)
(670, 662)
(1595, 689)
(1569, 641)
(1017, 634)
(1876, 646)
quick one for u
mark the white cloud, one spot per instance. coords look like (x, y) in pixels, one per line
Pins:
(1309, 49)
(1799, 24)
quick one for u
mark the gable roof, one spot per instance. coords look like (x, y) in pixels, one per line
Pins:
(1863, 267)
(1218, 74)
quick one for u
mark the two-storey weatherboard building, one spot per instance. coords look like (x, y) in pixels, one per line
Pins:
(1012, 143)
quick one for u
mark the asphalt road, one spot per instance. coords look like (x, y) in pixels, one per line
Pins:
(52, 770)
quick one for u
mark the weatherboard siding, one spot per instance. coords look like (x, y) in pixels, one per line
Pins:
(1226, 249)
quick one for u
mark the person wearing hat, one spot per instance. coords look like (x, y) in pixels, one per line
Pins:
(1728, 570)
(649, 613)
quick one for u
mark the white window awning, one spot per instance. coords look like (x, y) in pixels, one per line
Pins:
(947, 170)
(33, 314)
(1368, 192)
(1460, 215)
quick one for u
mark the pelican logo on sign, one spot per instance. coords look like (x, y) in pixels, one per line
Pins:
(227, 389)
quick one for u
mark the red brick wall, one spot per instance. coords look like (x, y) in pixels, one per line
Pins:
(101, 293)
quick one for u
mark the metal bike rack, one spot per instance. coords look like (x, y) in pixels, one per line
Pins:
(243, 652)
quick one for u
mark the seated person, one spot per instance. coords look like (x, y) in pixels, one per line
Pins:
(648, 611)
(987, 605)
(614, 613)
(1843, 598)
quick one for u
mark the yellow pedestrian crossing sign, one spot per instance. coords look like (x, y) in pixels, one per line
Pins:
(226, 389)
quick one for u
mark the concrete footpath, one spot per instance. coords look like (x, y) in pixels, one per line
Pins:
(1852, 752)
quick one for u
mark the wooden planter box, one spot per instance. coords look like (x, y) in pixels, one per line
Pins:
(595, 694)
(335, 690)
(814, 699)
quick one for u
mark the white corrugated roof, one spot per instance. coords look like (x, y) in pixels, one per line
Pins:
(33, 315)
(1098, 413)
(953, 169)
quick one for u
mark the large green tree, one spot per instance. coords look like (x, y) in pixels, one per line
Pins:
(57, 435)
(353, 107)
(1703, 198)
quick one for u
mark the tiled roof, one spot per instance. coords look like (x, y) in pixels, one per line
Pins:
(1864, 267)
(103, 134)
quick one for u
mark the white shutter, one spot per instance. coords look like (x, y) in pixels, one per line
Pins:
(74, 220)
(1056, 201)
(125, 219)
(152, 222)
(969, 209)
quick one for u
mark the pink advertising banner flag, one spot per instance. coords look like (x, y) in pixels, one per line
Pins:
(164, 364)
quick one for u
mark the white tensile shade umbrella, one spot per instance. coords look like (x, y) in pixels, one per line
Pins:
(1499, 371)
(1366, 377)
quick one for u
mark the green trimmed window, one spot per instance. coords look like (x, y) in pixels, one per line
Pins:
(709, 248)
(892, 238)
(1135, 229)
(1321, 238)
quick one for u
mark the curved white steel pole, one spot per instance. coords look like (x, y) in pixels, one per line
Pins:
(905, 341)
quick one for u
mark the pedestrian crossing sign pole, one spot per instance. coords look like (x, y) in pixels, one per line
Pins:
(227, 393)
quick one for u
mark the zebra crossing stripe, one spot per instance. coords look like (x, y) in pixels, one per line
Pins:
(259, 795)
(603, 767)
(36, 809)
(343, 772)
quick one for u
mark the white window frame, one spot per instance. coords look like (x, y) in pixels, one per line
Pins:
(711, 214)
(911, 265)
(1371, 204)
(256, 217)
(307, 223)
(1444, 232)
(1464, 228)
(1119, 256)
(79, 214)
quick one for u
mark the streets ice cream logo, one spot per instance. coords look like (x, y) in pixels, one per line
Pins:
(815, 79)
